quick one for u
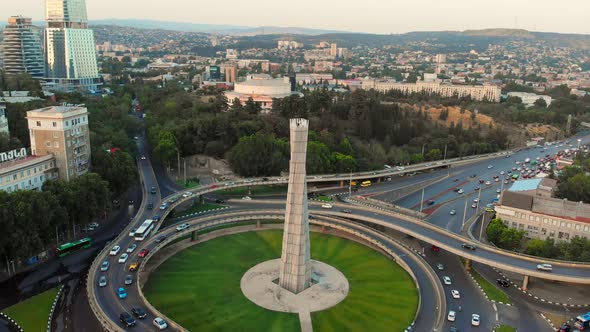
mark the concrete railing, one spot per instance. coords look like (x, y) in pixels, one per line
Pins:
(53, 306)
(106, 323)
(212, 221)
(367, 201)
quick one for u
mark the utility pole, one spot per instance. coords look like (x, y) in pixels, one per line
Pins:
(445, 157)
(350, 184)
(184, 159)
(178, 172)
(422, 200)
(423, 145)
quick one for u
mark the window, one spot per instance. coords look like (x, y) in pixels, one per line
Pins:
(54, 124)
(577, 227)
(38, 123)
(554, 222)
(56, 144)
(545, 220)
(55, 135)
(585, 228)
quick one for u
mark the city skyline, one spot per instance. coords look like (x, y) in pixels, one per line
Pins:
(383, 17)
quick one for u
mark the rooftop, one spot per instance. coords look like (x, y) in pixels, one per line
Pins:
(525, 185)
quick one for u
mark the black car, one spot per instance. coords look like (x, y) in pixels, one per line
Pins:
(139, 313)
(468, 246)
(430, 202)
(219, 201)
(565, 328)
(156, 217)
(150, 206)
(503, 283)
(473, 176)
(153, 190)
(127, 319)
(160, 238)
(346, 211)
(130, 202)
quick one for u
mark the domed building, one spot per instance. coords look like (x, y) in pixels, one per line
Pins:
(262, 88)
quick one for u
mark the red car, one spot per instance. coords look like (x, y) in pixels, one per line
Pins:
(143, 252)
(435, 248)
(213, 186)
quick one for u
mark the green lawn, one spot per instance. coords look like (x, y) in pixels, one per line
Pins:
(200, 287)
(505, 328)
(490, 289)
(324, 198)
(32, 314)
(190, 183)
(256, 190)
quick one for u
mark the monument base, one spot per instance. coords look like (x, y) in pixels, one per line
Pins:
(329, 287)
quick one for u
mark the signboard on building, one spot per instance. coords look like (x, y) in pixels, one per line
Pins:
(13, 154)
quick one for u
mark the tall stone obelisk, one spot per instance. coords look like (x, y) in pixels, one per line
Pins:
(295, 272)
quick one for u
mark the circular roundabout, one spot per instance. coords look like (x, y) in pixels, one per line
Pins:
(201, 287)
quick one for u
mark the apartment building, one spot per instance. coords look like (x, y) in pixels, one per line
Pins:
(22, 172)
(490, 93)
(62, 131)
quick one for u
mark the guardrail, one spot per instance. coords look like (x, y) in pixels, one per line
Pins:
(105, 321)
(376, 203)
(53, 305)
(200, 224)
(11, 321)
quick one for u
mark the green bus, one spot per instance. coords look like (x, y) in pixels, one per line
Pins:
(70, 247)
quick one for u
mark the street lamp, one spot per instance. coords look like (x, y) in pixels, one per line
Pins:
(350, 184)
(423, 145)
(464, 214)
(579, 141)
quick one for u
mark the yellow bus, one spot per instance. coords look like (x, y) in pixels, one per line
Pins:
(365, 183)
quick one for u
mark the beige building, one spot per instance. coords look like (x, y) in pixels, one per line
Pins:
(476, 92)
(529, 206)
(25, 172)
(62, 131)
(231, 71)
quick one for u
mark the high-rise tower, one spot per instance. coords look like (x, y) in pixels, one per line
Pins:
(23, 52)
(69, 46)
(295, 270)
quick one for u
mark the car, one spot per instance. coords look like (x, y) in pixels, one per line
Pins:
(247, 198)
(160, 238)
(488, 183)
(133, 266)
(453, 329)
(143, 252)
(93, 224)
(156, 217)
(476, 188)
(400, 168)
(455, 293)
(456, 189)
(460, 191)
(143, 158)
(123, 258)
(430, 202)
(502, 172)
(153, 190)
(164, 206)
(150, 206)
(135, 138)
(502, 282)
(473, 176)
(455, 180)
(182, 227)
(475, 200)
(121, 293)
(453, 212)
(498, 191)
(451, 316)
(440, 266)
(104, 266)
(132, 232)
(446, 280)
(482, 180)
(131, 248)
(434, 248)
(219, 201)
(128, 279)
(475, 319)
(468, 246)
(187, 194)
(346, 211)
(474, 205)
(327, 206)
(565, 328)
(127, 319)
(545, 267)
(115, 251)
(490, 166)
(130, 202)
(139, 313)
(102, 281)
(160, 323)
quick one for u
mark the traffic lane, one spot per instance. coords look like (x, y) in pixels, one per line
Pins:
(472, 300)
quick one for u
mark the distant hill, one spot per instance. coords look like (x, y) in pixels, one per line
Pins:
(519, 33)
(236, 30)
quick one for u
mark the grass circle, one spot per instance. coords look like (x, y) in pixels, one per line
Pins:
(199, 287)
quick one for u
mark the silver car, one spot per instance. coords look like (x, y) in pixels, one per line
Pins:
(102, 281)
(128, 279)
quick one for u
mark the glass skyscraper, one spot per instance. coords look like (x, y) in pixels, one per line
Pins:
(69, 47)
(23, 52)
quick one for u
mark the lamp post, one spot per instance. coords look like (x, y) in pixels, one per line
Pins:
(579, 141)
(445, 156)
(464, 215)
(423, 145)
(422, 200)
(350, 184)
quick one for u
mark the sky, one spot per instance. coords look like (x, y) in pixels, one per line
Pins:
(372, 16)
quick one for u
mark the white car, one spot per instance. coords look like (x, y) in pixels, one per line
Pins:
(143, 158)
(160, 323)
(488, 183)
(440, 266)
(247, 198)
(132, 232)
(451, 316)
(400, 168)
(182, 227)
(327, 206)
(545, 267)
(446, 280)
(93, 224)
(475, 200)
(131, 248)
(490, 166)
(104, 266)
(455, 293)
(115, 251)
(123, 258)
(460, 191)
(502, 173)
(453, 212)
(475, 319)
(187, 194)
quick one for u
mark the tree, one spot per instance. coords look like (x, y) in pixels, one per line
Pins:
(319, 158)
(416, 158)
(434, 154)
(260, 154)
(118, 169)
(166, 147)
(252, 107)
(541, 103)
